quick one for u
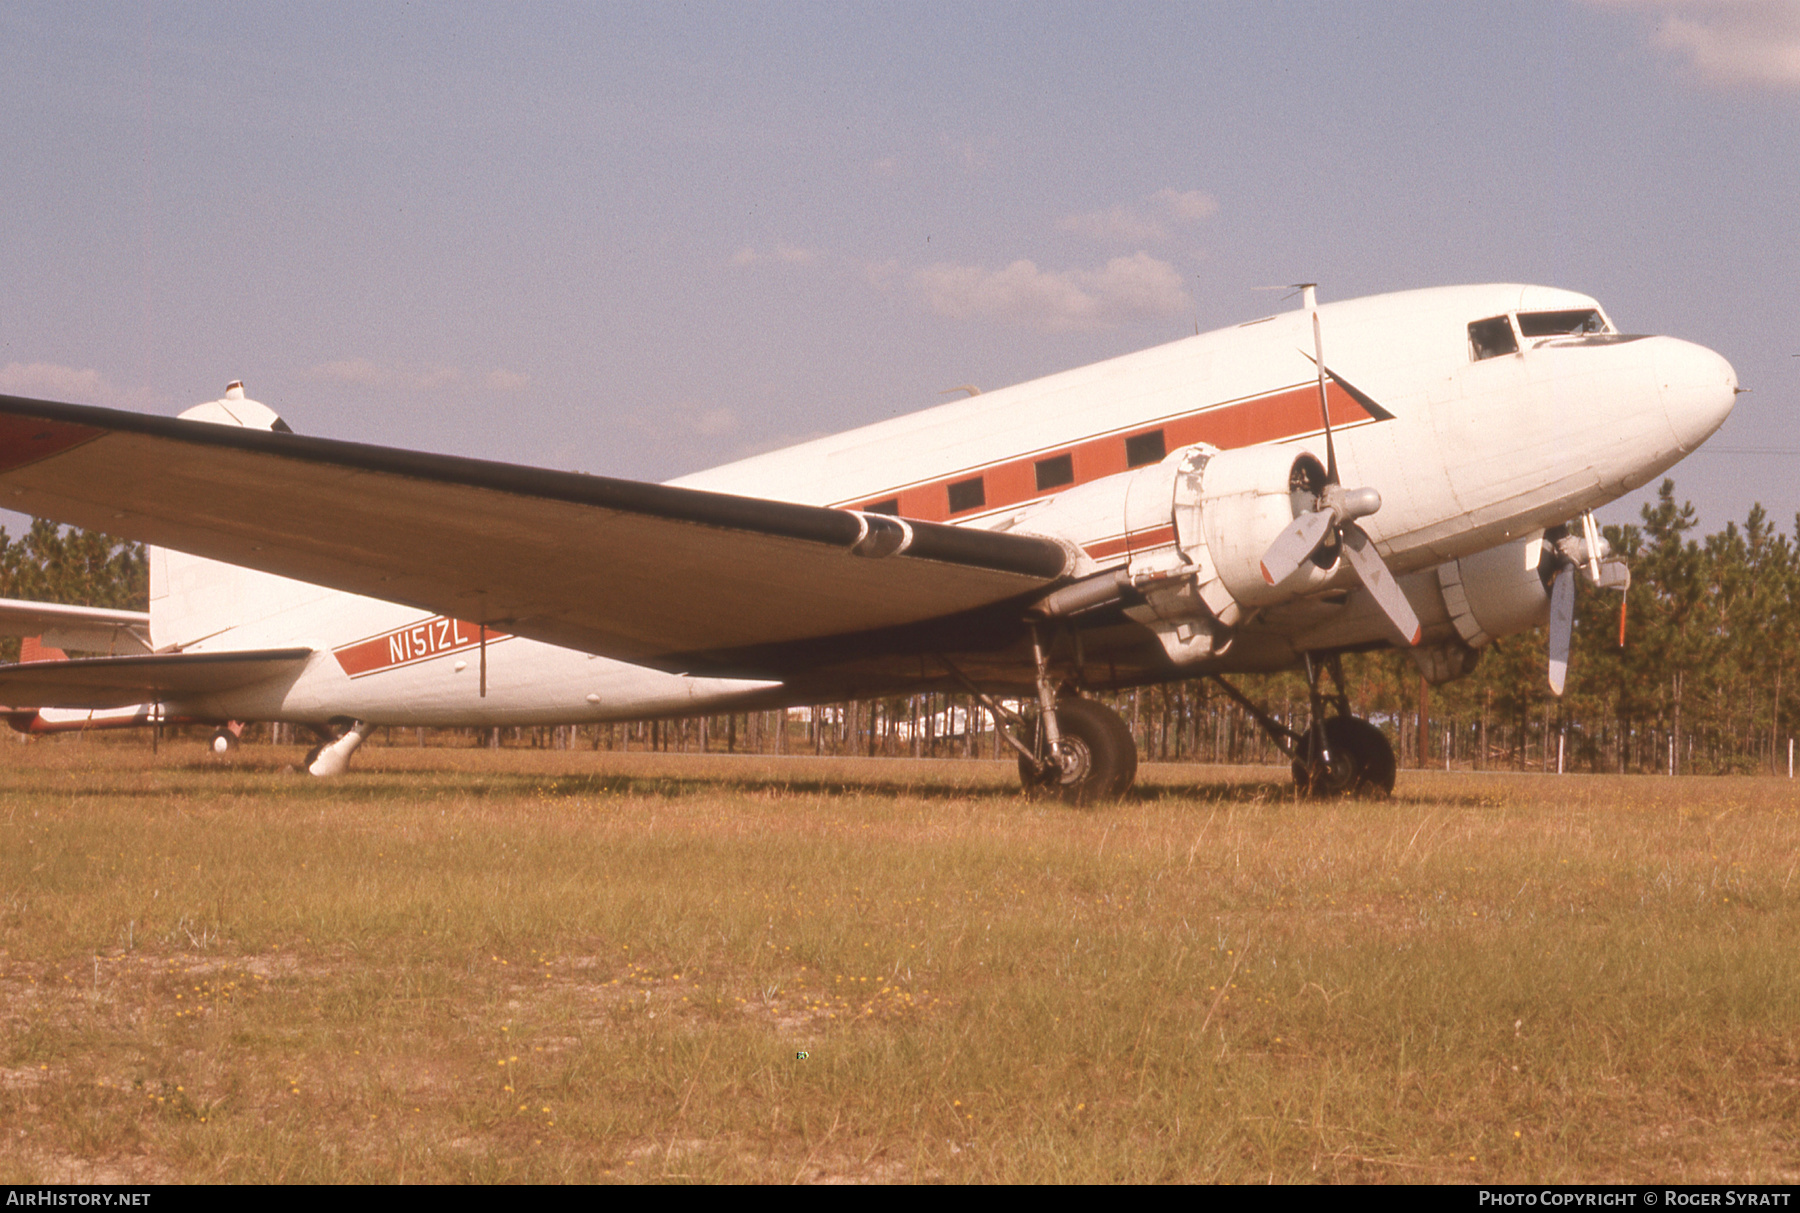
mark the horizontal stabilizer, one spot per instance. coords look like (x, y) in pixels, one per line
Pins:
(112, 682)
(91, 629)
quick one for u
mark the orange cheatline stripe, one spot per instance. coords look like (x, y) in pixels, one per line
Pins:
(1136, 541)
(413, 643)
(1288, 413)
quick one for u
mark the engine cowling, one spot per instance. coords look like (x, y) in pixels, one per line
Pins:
(1227, 507)
(1246, 498)
(1496, 592)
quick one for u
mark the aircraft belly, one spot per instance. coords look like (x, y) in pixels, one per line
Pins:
(527, 683)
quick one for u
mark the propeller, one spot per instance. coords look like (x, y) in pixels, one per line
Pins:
(1587, 554)
(1333, 519)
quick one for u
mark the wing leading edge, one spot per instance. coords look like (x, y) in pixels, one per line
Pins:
(642, 572)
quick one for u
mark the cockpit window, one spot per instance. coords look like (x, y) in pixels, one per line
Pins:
(1575, 323)
(1492, 338)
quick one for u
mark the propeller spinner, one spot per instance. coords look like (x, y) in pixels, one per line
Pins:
(1333, 517)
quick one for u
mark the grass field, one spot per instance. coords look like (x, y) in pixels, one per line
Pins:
(559, 965)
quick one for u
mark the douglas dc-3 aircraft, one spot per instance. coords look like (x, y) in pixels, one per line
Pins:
(1397, 470)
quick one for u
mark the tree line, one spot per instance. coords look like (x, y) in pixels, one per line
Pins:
(1701, 684)
(51, 563)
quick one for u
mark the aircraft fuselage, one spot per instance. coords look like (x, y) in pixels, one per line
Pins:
(1478, 421)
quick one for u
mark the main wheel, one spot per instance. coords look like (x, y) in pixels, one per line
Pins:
(1098, 760)
(1360, 761)
(224, 743)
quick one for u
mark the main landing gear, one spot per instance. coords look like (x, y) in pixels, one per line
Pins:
(1069, 747)
(1081, 751)
(1093, 758)
(1337, 755)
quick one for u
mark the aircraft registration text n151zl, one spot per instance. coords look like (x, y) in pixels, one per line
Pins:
(415, 642)
(1415, 470)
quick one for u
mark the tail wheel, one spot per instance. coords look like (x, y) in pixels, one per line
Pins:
(1098, 758)
(1360, 761)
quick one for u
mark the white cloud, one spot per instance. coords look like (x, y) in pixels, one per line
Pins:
(502, 380)
(1124, 289)
(396, 376)
(1734, 43)
(1139, 224)
(51, 381)
(1187, 206)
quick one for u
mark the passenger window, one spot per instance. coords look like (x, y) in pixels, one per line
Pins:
(1055, 472)
(890, 506)
(967, 495)
(1492, 338)
(1144, 448)
(1574, 323)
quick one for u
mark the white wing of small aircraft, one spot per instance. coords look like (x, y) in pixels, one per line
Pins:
(1394, 470)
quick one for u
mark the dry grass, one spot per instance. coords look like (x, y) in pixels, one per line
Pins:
(543, 966)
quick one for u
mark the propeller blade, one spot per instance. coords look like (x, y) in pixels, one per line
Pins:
(1562, 626)
(1379, 581)
(1331, 471)
(1295, 543)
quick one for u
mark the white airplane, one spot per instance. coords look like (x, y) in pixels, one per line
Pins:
(1396, 470)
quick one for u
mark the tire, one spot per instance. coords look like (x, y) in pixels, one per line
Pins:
(1362, 761)
(1100, 756)
(224, 743)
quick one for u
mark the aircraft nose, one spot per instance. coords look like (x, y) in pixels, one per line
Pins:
(1698, 388)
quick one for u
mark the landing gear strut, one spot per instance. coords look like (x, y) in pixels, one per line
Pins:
(1356, 760)
(1094, 756)
(1337, 755)
(1068, 747)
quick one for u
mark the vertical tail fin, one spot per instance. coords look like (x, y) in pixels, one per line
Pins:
(194, 600)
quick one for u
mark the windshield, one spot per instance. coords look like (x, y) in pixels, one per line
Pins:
(1491, 338)
(1576, 322)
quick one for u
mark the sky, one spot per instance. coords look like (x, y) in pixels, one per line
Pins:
(640, 240)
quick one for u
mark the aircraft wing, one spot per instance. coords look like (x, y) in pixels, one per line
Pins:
(116, 682)
(96, 629)
(649, 573)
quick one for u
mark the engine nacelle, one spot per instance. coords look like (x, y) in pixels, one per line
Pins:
(1247, 497)
(1496, 592)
